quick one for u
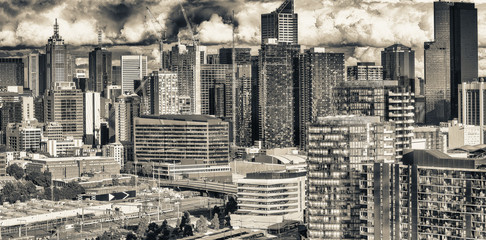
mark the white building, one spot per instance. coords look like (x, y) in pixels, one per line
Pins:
(27, 108)
(116, 151)
(67, 147)
(92, 118)
(168, 97)
(267, 198)
(133, 67)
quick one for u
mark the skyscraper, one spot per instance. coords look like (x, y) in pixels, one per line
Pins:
(451, 59)
(349, 178)
(242, 55)
(162, 93)
(11, 72)
(281, 24)
(127, 107)
(33, 74)
(320, 72)
(243, 121)
(92, 118)
(56, 60)
(100, 70)
(133, 67)
(277, 98)
(216, 93)
(398, 63)
(64, 105)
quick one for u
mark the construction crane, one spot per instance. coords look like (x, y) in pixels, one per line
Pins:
(193, 38)
(161, 40)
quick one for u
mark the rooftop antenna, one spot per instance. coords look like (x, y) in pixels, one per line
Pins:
(99, 38)
(56, 29)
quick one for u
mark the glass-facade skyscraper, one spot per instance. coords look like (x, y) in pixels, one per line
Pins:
(398, 63)
(451, 59)
(56, 60)
(281, 24)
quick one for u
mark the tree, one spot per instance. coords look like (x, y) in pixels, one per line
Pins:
(227, 221)
(15, 171)
(202, 225)
(17, 191)
(185, 220)
(231, 206)
(187, 231)
(146, 169)
(39, 179)
(153, 231)
(142, 227)
(216, 210)
(131, 236)
(215, 222)
(128, 168)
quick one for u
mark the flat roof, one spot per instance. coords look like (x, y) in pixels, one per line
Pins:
(182, 117)
(49, 159)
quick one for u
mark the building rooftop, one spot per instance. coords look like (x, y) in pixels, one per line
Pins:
(194, 118)
(275, 175)
(349, 119)
(60, 159)
(438, 159)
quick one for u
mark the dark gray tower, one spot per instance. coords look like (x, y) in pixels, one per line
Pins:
(451, 59)
(398, 63)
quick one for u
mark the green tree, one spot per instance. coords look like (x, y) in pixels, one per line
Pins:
(215, 222)
(202, 225)
(15, 171)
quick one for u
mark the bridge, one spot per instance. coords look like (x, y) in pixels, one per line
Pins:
(200, 185)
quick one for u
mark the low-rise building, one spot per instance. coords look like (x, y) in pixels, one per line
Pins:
(73, 167)
(267, 198)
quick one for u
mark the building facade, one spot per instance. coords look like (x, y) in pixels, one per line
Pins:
(127, 108)
(398, 63)
(181, 140)
(281, 24)
(100, 70)
(472, 105)
(92, 118)
(133, 68)
(11, 72)
(56, 60)
(365, 71)
(319, 72)
(451, 59)
(163, 93)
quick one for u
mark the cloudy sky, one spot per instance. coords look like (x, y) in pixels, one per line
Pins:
(359, 28)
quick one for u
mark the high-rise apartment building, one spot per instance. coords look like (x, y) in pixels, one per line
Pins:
(281, 24)
(64, 105)
(451, 59)
(277, 94)
(243, 98)
(319, 73)
(127, 107)
(56, 60)
(472, 105)
(349, 178)
(365, 71)
(443, 196)
(92, 118)
(385, 99)
(216, 90)
(398, 63)
(163, 93)
(11, 72)
(100, 70)
(133, 67)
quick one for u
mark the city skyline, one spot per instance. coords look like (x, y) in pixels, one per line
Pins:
(360, 29)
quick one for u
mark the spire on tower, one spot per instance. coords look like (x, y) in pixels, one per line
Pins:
(99, 38)
(56, 30)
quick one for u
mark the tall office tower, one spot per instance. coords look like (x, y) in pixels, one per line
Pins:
(398, 63)
(242, 56)
(472, 105)
(116, 75)
(133, 67)
(216, 87)
(187, 61)
(319, 72)
(92, 118)
(277, 100)
(42, 74)
(56, 60)
(213, 59)
(100, 70)
(451, 59)
(127, 107)
(33, 74)
(198, 141)
(255, 100)
(23, 136)
(11, 72)
(243, 121)
(64, 105)
(349, 182)
(385, 99)
(443, 195)
(281, 24)
(365, 71)
(162, 93)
